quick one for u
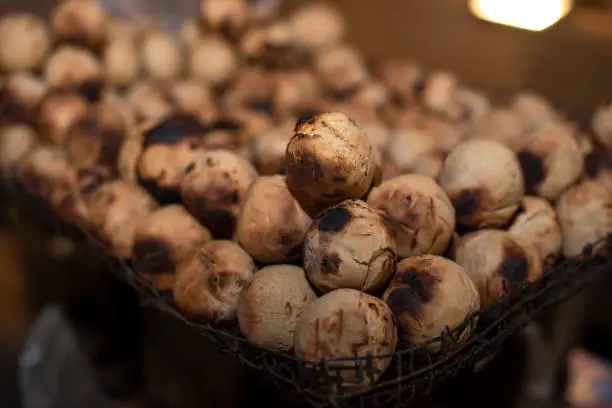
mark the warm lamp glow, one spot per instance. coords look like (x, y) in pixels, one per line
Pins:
(533, 15)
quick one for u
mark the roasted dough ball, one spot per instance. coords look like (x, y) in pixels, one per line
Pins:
(534, 111)
(191, 96)
(419, 211)
(408, 148)
(95, 140)
(16, 140)
(502, 125)
(551, 162)
(497, 261)
(19, 97)
(160, 56)
(537, 223)
(404, 79)
(168, 148)
(208, 284)
(121, 63)
(164, 239)
(349, 246)
(267, 152)
(212, 61)
(438, 94)
(115, 209)
(341, 68)
(329, 159)
(484, 182)
(429, 294)
(214, 187)
(148, 101)
(271, 304)
(347, 323)
(602, 125)
(24, 42)
(46, 173)
(57, 111)
(75, 68)
(316, 26)
(226, 17)
(79, 22)
(585, 215)
(272, 225)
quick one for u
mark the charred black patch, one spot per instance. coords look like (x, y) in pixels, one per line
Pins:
(152, 257)
(174, 130)
(330, 265)
(334, 219)
(534, 170)
(222, 223)
(515, 266)
(466, 203)
(91, 90)
(422, 283)
(403, 299)
(189, 168)
(164, 195)
(307, 117)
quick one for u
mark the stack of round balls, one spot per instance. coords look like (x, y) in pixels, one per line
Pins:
(258, 170)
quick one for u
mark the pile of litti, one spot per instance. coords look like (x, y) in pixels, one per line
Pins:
(256, 168)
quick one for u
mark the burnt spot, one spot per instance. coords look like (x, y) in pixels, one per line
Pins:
(422, 283)
(91, 90)
(190, 167)
(164, 195)
(174, 130)
(403, 299)
(221, 222)
(307, 117)
(333, 219)
(534, 170)
(339, 179)
(466, 203)
(152, 257)
(330, 265)
(515, 266)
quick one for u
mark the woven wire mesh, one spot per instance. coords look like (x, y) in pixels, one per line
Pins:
(413, 372)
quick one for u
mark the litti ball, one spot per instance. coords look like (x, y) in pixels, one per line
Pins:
(271, 304)
(429, 294)
(585, 215)
(502, 125)
(79, 22)
(329, 159)
(24, 42)
(272, 225)
(347, 323)
(75, 68)
(602, 125)
(316, 26)
(57, 111)
(497, 262)
(537, 223)
(535, 111)
(267, 152)
(484, 182)
(419, 211)
(551, 160)
(349, 245)
(16, 140)
(19, 97)
(160, 56)
(214, 187)
(208, 285)
(164, 239)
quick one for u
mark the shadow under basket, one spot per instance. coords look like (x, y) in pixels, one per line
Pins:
(412, 373)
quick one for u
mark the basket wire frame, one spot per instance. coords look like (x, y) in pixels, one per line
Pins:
(413, 372)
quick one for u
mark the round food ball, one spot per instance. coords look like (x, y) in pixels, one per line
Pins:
(329, 159)
(121, 64)
(585, 215)
(79, 22)
(16, 140)
(534, 111)
(96, 139)
(537, 223)
(57, 111)
(226, 17)
(438, 94)
(501, 125)
(212, 61)
(272, 225)
(497, 261)
(403, 77)
(168, 149)
(19, 97)
(473, 105)
(349, 245)
(191, 96)
(46, 173)
(115, 209)
(214, 187)
(24, 42)
(316, 26)
(419, 211)
(148, 101)
(341, 68)
(429, 294)
(160, 56)
(347, 323)
(295, 91)
(164, 239)
(75, 68)
(271, 304)
(408, 146)
(208, 285)
(602, 125)
(267, 152)
(551, 162)
(484, 182)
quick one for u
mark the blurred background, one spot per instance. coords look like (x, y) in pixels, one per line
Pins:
(569, 63)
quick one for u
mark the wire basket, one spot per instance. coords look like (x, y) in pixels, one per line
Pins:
(413, 372)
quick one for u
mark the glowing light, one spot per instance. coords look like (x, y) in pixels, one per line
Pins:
(533, 15)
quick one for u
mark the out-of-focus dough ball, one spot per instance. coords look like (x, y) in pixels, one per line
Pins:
(160, 56)
(19, 97)
(75, 68)
(57, 111)
(24, 42)
(79, 22)
(16, 140)
(212, 61)
(316, 26)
